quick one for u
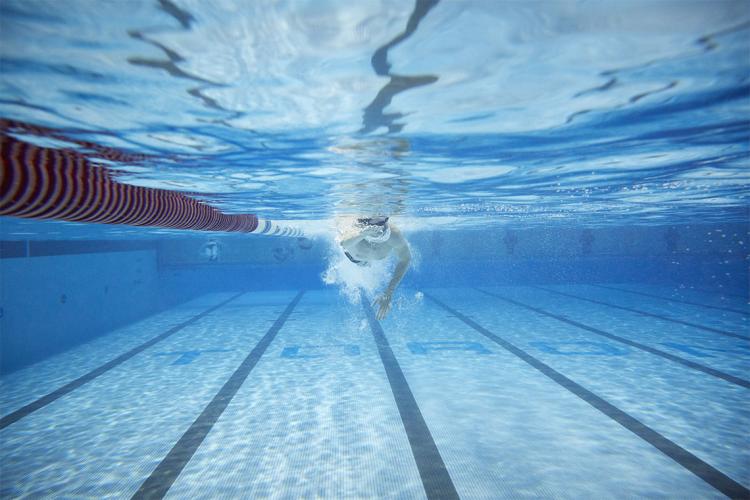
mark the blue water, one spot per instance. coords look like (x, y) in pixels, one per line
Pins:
(572, 181)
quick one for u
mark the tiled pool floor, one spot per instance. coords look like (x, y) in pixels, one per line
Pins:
(577, 391)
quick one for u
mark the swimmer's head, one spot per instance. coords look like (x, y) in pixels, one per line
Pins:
(373, 221)
(379, 224)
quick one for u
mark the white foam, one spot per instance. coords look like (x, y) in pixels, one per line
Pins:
(351, 278)
(348, 276)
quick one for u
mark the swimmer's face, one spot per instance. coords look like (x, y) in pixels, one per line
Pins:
(374, 227)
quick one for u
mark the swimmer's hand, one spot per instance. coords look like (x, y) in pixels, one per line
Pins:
(384, 303)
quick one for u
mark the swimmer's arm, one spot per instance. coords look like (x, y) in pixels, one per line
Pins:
(353, 240)
(404, 259)
(384, 300)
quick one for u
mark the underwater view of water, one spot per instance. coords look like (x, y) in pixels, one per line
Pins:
(201, 297)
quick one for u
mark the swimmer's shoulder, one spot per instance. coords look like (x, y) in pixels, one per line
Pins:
(395, 231)
(397, 239)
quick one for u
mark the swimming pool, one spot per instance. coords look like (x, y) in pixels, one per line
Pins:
(555, 391)
(179, 318)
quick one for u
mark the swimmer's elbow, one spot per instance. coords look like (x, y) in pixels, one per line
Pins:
(404, 255)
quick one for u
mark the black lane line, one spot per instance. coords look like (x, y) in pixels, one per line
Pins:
(645, 313)
(671, 357)
(44, 248)
(669, 299)
(165, 474)
(75, 384)
(436, 481)
(13, 249)
(703, 470)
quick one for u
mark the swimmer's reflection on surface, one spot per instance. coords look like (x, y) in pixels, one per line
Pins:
(374, 238)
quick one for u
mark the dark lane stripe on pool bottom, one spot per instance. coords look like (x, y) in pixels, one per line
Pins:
(646, 313)
(75, 384)
(643, 347)
(165, 474)
(703, 470)
(671, 299)
(436, 481)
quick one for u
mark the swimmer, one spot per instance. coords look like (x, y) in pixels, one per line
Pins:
(375, 239)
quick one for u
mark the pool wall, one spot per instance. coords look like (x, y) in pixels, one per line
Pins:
(59, 293)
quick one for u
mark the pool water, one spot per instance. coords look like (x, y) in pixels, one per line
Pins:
(177, 315)
(564, 391)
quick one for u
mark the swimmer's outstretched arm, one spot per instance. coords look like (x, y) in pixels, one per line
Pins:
(353, 240)
(401, 249)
